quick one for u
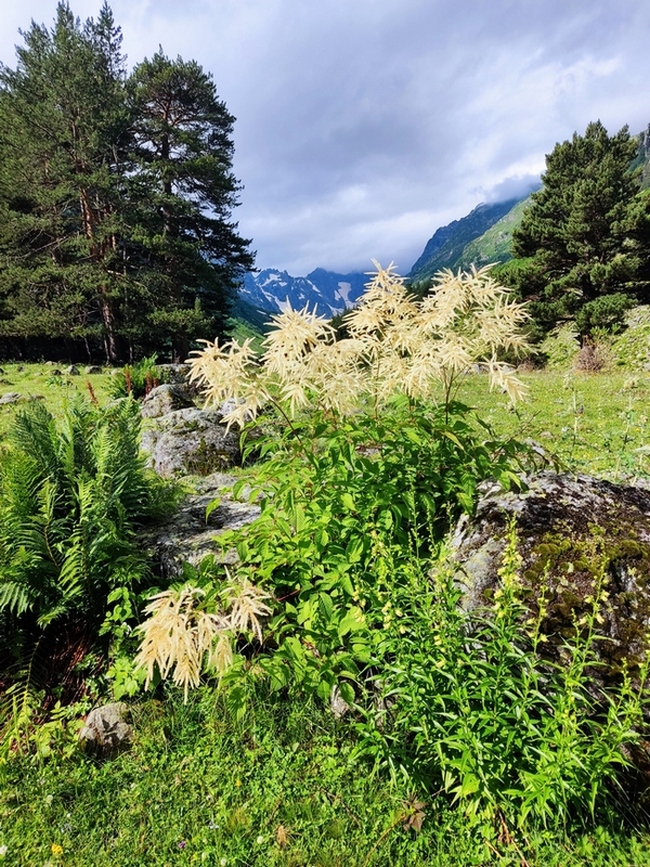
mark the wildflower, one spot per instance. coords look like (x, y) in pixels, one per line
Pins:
(223, 862)
(3, 851)
(57, 850)
(182, 844)
(260, 840)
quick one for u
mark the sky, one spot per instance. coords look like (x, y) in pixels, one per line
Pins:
(364, 125)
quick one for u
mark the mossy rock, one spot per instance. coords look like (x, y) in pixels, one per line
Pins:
(580, 538)
(190, 442)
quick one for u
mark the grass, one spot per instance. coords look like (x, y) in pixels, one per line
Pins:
(41, 382)
(596, 423)
(280, 787)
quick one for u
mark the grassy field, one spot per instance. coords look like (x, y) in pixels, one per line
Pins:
(280, 788)
(281, 785)
(594, 423)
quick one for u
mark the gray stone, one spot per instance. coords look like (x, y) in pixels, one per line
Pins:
(165, 399)
(174, 374)
(92, 369)
(190, 442)
(72, 370)
(189, 536)
(12, 397)
(106, 731)
(574, 532)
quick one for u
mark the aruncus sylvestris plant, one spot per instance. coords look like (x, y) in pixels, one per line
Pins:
(398, 345)
(366, 461)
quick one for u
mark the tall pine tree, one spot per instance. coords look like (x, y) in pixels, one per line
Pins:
(581, 251)
(63, 121)
(184, 150)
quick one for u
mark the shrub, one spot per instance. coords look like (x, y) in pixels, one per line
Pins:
(364, 460)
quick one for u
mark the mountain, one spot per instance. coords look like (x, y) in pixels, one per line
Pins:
(494, 244)
(446, 249)
(272, 290)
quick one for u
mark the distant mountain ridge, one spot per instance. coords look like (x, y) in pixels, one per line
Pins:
(447, 247)
(330, 293)
(479, 238)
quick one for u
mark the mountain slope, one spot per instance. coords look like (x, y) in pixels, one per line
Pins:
(494, 244)
(447, 245)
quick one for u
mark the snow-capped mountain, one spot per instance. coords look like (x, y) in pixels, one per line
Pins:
(329, 293)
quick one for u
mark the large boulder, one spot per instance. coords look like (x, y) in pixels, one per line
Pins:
(189, 535)
(190, 442)
(165, 399)
(576, 536)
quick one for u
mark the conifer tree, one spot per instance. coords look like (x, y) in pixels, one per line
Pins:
(63, 120)
(184, 150)
(582, 248)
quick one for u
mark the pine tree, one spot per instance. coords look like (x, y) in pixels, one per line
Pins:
(184, 148)
(63, 118)
(582, 247)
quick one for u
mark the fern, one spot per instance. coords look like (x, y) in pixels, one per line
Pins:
(70, 497)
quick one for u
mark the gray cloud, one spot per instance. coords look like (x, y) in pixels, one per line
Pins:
(363, 126)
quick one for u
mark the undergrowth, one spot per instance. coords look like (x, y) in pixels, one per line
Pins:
(461, 741)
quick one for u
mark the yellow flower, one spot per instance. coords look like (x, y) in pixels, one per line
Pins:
(57, 850)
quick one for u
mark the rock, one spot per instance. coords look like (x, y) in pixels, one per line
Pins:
(190, 442)
(338, 705)
(165, 399)
(106, 731)
(92, 369)
(174, 374)
(12, 397)
(188, 536)
(572, 532)
(72, 370)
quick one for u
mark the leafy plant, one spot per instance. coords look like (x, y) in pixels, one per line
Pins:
(70, 498)
(362, 461)
(474, 708)
(135, 380)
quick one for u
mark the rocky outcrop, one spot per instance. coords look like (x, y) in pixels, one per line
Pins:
(576, 535)
(189, 536)
(190, 442)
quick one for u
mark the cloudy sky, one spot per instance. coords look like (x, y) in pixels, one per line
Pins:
(364, 125)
